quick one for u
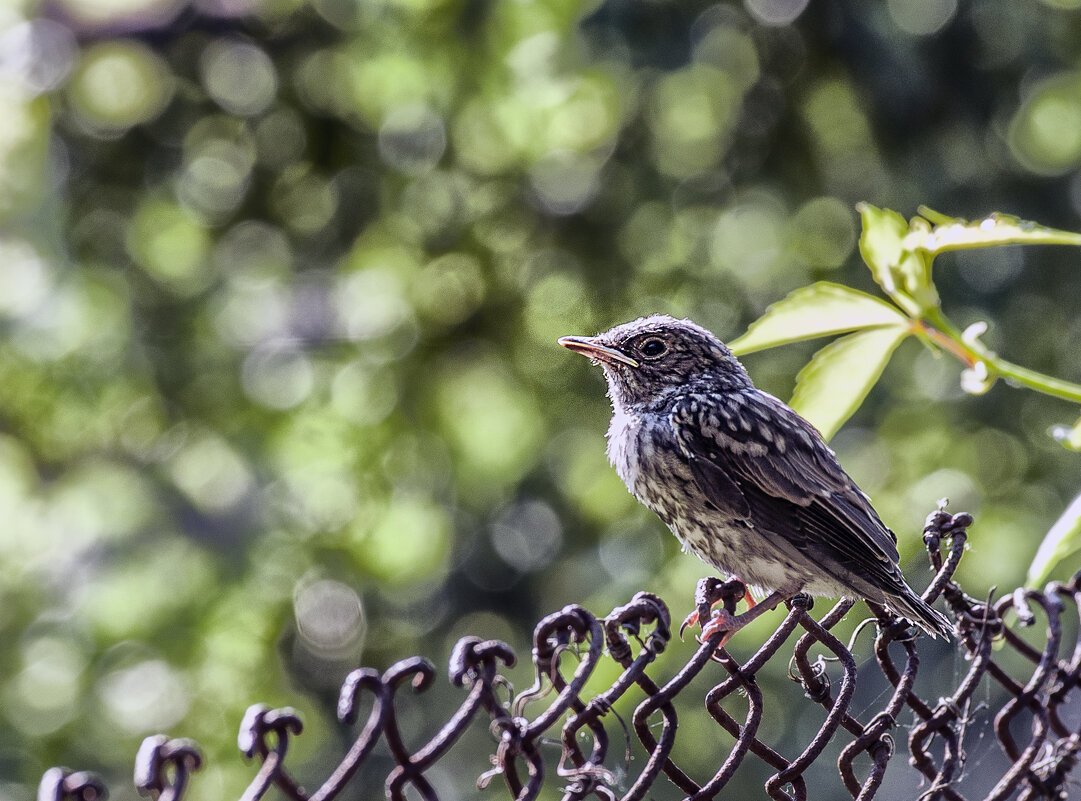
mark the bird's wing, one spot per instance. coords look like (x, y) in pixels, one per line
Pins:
(788, 480)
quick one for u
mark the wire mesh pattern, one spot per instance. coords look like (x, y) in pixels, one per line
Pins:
(634, 635)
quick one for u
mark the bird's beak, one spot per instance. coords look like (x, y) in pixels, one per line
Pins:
(590, 347)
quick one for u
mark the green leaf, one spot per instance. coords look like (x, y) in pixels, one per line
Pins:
(903, 271)
(837, 379)
(995, 229)
(880, 243)
(815, 311)
(1063, 539)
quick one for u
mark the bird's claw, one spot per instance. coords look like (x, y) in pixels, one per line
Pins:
(690, 620)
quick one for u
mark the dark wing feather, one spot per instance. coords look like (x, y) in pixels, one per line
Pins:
(719, 488)
(789, 482)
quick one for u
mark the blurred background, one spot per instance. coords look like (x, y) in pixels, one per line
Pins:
(280, 283)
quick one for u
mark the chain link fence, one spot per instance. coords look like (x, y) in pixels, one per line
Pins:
(1036, 721)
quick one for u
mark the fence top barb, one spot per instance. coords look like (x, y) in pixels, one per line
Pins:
(1038, 757)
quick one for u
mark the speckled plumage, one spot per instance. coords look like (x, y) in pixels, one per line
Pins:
(743, 481)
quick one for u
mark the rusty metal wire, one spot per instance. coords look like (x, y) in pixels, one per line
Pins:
(1040, 746)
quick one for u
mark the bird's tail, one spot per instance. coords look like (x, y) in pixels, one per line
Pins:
(914, 609)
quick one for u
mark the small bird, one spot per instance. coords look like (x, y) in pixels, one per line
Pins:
(742, 480)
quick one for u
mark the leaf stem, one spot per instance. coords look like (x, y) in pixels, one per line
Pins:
(947, 343)
(945, 334)
(1049, 385)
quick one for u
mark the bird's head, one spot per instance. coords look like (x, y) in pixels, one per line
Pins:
(651, 359)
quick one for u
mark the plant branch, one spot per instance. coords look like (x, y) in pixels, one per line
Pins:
(950, 338)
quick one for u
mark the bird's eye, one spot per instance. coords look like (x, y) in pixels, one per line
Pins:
(653, 348)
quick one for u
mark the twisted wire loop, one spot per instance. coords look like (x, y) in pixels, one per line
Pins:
(61, 784)
(473, 663)
(1037, 727)
(162, 766)
(265, 733)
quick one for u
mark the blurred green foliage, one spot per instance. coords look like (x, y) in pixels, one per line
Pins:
(280, 282)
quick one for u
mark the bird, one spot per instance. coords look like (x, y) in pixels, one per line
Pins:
(742, 480)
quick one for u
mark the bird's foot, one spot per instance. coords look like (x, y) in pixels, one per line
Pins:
(712, 596)
(724, 621)
(712, 593)
(692, 618)
(720, 621)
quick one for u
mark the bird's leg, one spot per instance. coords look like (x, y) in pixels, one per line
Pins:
(710, 593)
(749, 600)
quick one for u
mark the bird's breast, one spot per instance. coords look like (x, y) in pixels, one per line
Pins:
(645, 454)
(623, 451)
